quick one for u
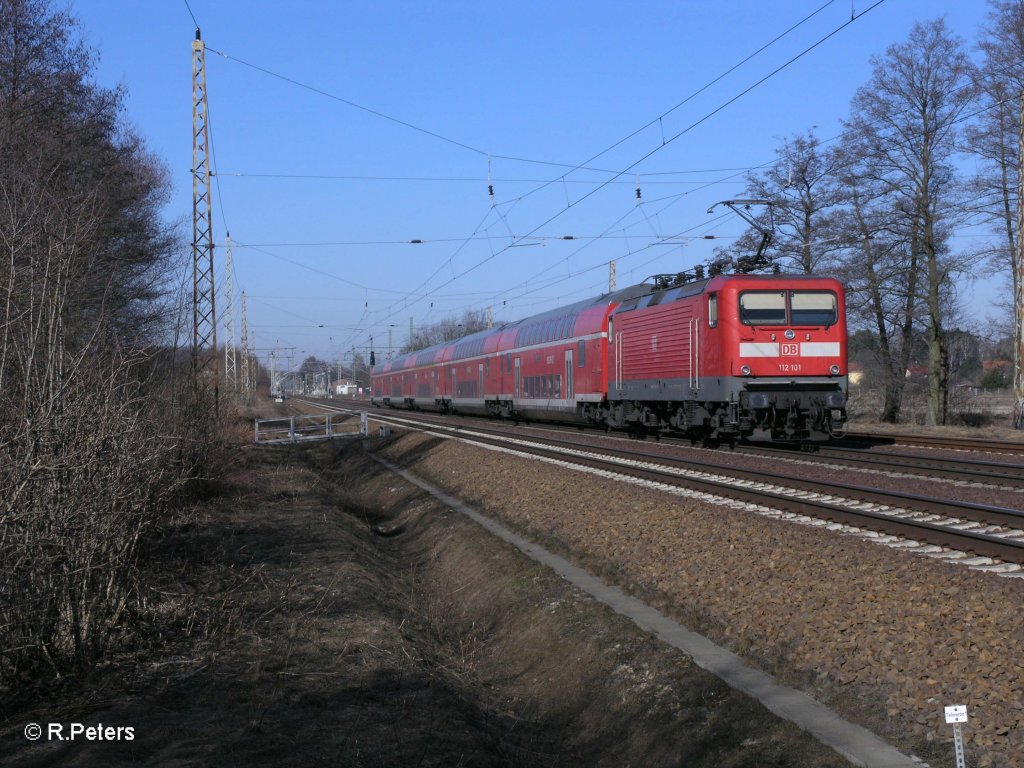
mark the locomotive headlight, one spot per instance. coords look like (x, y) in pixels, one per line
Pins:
(745, 370)
(834, 370)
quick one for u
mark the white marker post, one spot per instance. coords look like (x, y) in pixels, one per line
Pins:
(956, 715)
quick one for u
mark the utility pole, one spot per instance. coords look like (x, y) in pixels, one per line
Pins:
(273, 373)
(490, 316)
(230, 360)
(410, 331)
(390, 345)
(611, 276)
(204, 301)
(1018, 286)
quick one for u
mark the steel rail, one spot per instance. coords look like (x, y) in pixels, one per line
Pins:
(1006, 549)
(955, 443)
(987, 472)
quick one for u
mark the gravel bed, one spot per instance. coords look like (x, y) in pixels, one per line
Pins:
(805, 466)
(885, 637)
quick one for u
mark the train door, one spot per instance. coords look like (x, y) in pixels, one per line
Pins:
(519, 380)
(617, 359)
(568, 375)
(694, 353)
(480, 391)
(455, 381)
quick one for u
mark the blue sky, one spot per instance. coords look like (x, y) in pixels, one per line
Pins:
(327, 262)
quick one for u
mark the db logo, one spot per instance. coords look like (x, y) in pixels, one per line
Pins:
(791, 350)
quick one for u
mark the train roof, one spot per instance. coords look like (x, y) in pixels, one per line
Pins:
(468, 343)
(631, 297)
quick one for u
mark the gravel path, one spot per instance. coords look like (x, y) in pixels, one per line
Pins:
(886, 638)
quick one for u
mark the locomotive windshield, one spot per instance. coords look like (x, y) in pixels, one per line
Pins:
(763, 307)
(788, 308)
(812, 307)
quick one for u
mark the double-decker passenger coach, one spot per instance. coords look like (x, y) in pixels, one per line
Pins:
(718, 359)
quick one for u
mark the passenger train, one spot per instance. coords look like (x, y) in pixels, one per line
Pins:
(722, 358)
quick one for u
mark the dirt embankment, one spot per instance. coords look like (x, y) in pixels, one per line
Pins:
(886, 638)
(320, 611)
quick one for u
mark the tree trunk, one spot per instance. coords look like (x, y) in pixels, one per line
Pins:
(1018, 288)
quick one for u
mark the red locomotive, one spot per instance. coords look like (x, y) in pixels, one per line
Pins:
(720, 358)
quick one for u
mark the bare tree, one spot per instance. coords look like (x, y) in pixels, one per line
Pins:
(903, 128)
(89, 448)
(448, 329)
(802, 187)
(997, 139)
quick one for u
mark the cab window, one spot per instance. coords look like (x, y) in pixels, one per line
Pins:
(812, 307)
(712, 310)
(763, 308)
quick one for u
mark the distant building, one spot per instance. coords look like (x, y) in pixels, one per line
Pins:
(988, 365)
(916, 370)
(345, 387)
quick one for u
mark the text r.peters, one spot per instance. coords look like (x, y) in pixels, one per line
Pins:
(98, 732)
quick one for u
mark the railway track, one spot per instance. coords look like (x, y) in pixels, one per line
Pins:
(861, 439)
(961, 469)
(991, 533)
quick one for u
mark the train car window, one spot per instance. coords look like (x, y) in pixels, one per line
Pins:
(581, 354)
(611, 329)
(812, 307)
(763, 308)
(713, 310)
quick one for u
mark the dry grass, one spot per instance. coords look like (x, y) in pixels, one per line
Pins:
(322, 612)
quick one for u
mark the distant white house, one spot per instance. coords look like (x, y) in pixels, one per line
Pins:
(345, 387)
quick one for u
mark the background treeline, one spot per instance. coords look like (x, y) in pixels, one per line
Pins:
(931, 145)
(94, 439)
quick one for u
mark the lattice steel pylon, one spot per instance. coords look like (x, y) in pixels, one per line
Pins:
(204, 300)
(230, 355)
(246, 379)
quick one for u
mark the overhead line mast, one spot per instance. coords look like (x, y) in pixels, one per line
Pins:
(230, 358)
(204, 301)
